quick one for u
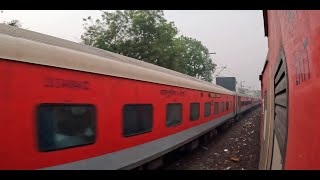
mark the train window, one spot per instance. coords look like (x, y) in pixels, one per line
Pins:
(137, 119)
(216, 107)
(194, 111)
(207, 109)
(222, 106)
(174, 114)
(227, 106)
(65, 125)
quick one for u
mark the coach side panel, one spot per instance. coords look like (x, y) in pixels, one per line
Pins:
(30, 95)
(293, 37)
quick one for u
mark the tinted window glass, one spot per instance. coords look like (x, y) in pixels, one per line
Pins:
(207, 109)
(65, 125)
(216, 107)
(194, 111)
(174, 114)
(222, 106)
(137, 119)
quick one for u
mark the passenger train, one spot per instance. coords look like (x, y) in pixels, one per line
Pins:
(65, 105)
(290, 89)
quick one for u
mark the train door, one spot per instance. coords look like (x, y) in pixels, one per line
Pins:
(266, 122)
(239, 103)
(235, 103)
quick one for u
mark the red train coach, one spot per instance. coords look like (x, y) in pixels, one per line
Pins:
(290, 89)
(69, 106)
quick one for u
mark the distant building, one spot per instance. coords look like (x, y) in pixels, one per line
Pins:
(227, 82)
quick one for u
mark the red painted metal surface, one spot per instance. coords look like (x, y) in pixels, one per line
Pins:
(25, 86)
(298, 32)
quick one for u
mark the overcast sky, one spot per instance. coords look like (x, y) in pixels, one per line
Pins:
(237, 37)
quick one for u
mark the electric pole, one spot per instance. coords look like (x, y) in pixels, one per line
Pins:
(220, 71)
(241, 84)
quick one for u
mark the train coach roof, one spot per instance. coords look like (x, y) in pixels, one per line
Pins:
(32, 47)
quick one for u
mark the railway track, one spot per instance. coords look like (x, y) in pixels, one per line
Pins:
(236, 147)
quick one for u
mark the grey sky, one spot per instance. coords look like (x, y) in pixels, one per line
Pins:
(236, 36)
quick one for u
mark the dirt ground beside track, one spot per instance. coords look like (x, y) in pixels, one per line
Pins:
(234, 148)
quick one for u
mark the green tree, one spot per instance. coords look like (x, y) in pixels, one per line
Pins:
(144, 35)
(194, 58)
(148, 36)
(15, 23)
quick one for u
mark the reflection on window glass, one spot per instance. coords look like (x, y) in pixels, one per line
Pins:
(65, 125)
(194, 111)
(174, 114)
(207, 109)
(222, 106)
(137, 119)
(216, 107)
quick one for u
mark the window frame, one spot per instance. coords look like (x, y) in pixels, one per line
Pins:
(143, 132)
(222, 106)
(206, 103)
(190, 116)
(94, 117)
(167, 106)
(218, 104)
(227, 105)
